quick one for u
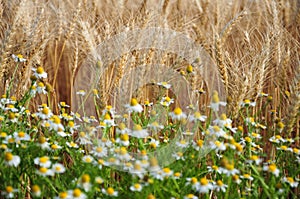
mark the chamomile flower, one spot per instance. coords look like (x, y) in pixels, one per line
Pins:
(11, 160)
(223, 121)
(122, 154)
(177, 114)
(44, 112)
(42, 142)
(284, 148)
(276, 139)
(218, 146)
(272, 168)
(58, 168)
(198, 144)
(55, 123)
(44, 171)
(76, 194)
(220, 186)
(88, 159)
(154, 143)
(21, 136)
(216, 103)
(193, 182)
(155, 126)
(197, 117)
(123, 139)
(85, 182)
(138, 169)
(81, 93)
(178, 156)
(43, 161)
(236, 179)
(134, 106)
(166, 101)
(108, 120)
(9, 192)
(122, 129)
(229, 169)
(247, 177)
(255, 159)
(83, 138)
(36, 191)
(41, 88)
(166, 85)
(99, 151)
(182, 143)
(205, 186)
(290, 181)
(214, 168)
(55, 146)
(190, 196)
(39, 73)
(110, 192)
(216, 130)
(166, 172)
(247, 103)
(139, 132)
(136, 187)
(63, 195)
(18, 58)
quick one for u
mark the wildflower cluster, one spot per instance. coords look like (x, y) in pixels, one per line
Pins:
(135, 154)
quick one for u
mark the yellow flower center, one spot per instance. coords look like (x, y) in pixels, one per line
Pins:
(284, 147)
(63, 194)
(200, 143)
(41, 84)
(35, 188)
(82, 134)
(76, 192)
(215, 167)
(137, 186)
(223, 116)
(295, 150)
(43, 169)
(248, 139)
(56, 119)
(11, 116)
(133, 102)
(290, 180)
(20, 56)
(8, 156)
(107, 116)
(194, 180)
(177, 111)
(3, 134)
(280, 125)
(177, 174)
(216, 128)
(229, 166)
(110, 191)
(203, 181)
(101, 161)
(215, 97)
(42, 139)
(166, 170)
(123, 151)
(153, 162)
(246, 175)
(40, 70)
(167, 99)
(21, 134)
(99, 149)
(254, 157)
(85, 178)
(45, 111)
(9, 189)
(219, 183)
(137, 127)
(272, 168)
(44, 159)
(246, 101)
(235, 177)
(189, 69)
(124, 137)
(54, 146)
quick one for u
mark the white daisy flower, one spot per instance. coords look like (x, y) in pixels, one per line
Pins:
(39, 73)
(134, 106)
(18, 58)
(139, 132)
(11, 160)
